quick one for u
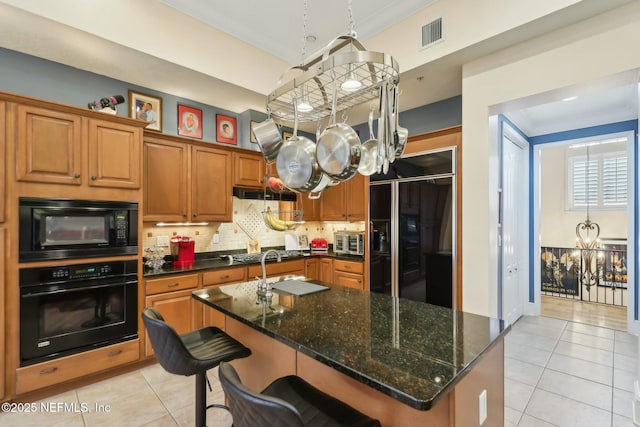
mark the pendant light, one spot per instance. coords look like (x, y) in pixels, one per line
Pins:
(351, 83)
(303, 104)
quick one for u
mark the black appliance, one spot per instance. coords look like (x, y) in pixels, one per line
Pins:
(63, 229)
(72, 308)
(412, 211)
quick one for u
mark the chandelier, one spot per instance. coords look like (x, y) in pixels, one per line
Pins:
(587, 239)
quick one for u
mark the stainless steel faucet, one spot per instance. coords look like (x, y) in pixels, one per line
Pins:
(264, 288)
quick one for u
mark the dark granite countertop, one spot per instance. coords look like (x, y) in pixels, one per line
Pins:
(411, 351)
(212, 261)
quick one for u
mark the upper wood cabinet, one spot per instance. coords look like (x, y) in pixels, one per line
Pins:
(211, 185)
(248, 169)
(345, 201)
(57, 147)
(114, 155)
(165, 169)
(3, 163)
(184, 182)
(310, 207)
(49, 146)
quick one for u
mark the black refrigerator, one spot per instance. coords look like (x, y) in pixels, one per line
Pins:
(412, 226)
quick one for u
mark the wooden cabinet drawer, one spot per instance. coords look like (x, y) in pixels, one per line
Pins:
(277, 268)
(75, 366)
(227, 275)
(348, 266)
(171, 283)
(349, 280)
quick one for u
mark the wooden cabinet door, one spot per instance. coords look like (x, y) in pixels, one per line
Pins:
(248, 169)
(345, 201)
(355, 202)
(114, 155)
(179, 309)
(310, 207)
(311, 269)
(211, 185)
(326, 270)
(48, 146)
(165, 180)
(332, 207)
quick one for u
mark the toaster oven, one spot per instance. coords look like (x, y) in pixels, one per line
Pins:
(348, 242)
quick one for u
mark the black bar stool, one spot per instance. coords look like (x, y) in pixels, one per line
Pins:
(287, 402)
(191, 354)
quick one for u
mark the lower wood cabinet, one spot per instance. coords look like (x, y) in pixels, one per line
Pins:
(295, 267)
(348, 273)
(67, 368)
(171, 296)
(326, 270)
(3, 350)
(210, 316)
(312, 268)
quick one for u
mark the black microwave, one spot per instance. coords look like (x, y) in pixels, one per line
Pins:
(69, 229)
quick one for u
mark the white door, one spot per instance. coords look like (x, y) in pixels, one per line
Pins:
(514, 227)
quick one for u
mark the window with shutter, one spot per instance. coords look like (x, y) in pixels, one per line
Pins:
(599, 182)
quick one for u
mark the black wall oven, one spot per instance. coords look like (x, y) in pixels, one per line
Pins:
(73, 308)
(63, 229)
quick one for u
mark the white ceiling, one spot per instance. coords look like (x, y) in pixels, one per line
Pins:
(277, 27)
(268, 40)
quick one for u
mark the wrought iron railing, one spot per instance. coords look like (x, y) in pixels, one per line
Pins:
(598, 275)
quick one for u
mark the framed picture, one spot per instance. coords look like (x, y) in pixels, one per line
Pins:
(253, 136)
(226, 129)
(147, 108)
(189, 121)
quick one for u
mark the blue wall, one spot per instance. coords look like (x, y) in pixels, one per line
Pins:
(39, 78)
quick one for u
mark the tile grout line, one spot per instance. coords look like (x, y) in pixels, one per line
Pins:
(161, 402)
(535, 387)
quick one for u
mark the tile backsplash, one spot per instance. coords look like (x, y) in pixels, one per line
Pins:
(247, 214)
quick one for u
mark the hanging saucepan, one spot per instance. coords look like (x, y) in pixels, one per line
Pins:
(269, 139)
(296, 162)
(338, 148)
(369, 152)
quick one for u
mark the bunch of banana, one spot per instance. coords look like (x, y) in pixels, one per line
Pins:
(275, 223)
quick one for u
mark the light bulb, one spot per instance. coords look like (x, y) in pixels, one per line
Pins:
(351, 83)
(303, 104)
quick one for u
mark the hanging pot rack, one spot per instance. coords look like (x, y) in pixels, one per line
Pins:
(343, 56)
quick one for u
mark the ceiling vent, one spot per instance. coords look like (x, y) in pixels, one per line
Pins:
(432, 33)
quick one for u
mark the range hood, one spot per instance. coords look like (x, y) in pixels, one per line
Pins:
(260, 194)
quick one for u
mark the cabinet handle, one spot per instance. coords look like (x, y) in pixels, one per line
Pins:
(195, 215)
(347, 267)
(76, 175)
(94, 177)
(226, 276)
(172, 285)
(114, 353)
(184, 214)
(359, 280)
(48, 370)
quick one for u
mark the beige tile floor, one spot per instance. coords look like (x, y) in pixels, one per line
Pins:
(148, 397)
(567, 374)
(557, 373)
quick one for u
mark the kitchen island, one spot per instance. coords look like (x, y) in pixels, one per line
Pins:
(403, 362)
